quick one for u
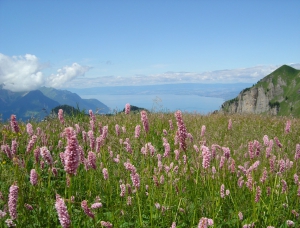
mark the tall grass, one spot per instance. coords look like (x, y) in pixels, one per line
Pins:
(231, 176)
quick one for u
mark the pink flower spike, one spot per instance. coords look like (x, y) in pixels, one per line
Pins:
(86, 209)
(145, 122)
(61, 116)
(33, 177)
(45, 153)
(12, 201)
(127, 108)
(62, 211)
(14, 124)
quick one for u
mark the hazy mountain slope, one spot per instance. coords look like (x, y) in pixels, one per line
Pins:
(66, 97)
(277, 94)
(27, 105)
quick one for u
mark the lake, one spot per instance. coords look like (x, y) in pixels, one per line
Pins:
(161, 102)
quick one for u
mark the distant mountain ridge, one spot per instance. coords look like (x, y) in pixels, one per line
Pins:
(73, 99)
(39, 103)
(278, 93)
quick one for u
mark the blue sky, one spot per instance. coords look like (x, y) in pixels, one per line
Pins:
(102, 43)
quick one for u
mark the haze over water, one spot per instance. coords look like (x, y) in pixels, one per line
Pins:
(161, 102)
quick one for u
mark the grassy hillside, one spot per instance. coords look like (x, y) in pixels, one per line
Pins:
(290, 104)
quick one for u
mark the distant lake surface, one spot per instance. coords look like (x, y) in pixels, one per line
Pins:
(161, 102)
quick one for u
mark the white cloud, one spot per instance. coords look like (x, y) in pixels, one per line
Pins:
(246, 75)
(24, 73)
(65, 75)
(20, 73)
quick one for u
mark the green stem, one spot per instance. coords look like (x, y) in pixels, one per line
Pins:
(140, 213)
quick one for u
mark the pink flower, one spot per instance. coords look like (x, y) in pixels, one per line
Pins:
(12, 201)
(86, 209)
(205, 222)
(92, 159)
(105, 173)
(297, 154)
(31, 143)
(104, 132)
(181, 130)
(106, 224)
(290, 223)
(264, 175)
(145, 122)
(135, 180)
(222, 161)
(62, 211)
(45, 153)
(117, 128)
(287, 126)
(266, 140)
(284, 186)
(33, 177)
(28, 207)
(258, 194)
(206, 157)
(137, 131)
(129, 200)
(278, 142)
(72, 152)
(127, 108)
(226, 152)
(240, 216)
(173, 225)
(14, 146)
(99, 143)
(29, 129)
(203, 129)
(222, 189)
(96, 205)
(92, 139)
(6, 149)
(128, 146)
(14, 124)
(123, 188)
(61, 116)
(167, 149)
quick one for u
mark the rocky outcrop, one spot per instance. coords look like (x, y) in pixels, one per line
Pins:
(267, 95)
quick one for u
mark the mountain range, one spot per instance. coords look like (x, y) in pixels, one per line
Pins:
(278, 94)
(39, 103)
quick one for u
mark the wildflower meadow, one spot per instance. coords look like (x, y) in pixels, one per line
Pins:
(150, 169)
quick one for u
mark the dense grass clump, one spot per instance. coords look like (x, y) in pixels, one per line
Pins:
(151, 170)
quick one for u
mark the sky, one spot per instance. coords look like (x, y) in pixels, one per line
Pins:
(81, 44)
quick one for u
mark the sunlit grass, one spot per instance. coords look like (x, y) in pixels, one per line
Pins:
(160, 188)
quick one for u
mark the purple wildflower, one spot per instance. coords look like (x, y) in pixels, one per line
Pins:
(33, 177)
(92, 159)
(145, 122)
(127, 108)
(29, 129)
(287, 126)
(14, 124)
(105, 173)
(86, 209)
(71, 158)
(61, 116)
(12, 201)
(181, 130)
(45, 153)
(62, 211)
